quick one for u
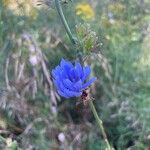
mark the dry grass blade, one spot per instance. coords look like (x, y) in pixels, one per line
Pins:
(105, 65)
(41, 57)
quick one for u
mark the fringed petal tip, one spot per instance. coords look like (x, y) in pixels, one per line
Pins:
(91, 81)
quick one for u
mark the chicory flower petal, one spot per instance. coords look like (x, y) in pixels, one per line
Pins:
(71, 79)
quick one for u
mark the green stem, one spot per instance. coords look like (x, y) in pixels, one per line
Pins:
(100, 124)
(63, 19)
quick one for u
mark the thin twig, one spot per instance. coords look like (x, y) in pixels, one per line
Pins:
(6, 74)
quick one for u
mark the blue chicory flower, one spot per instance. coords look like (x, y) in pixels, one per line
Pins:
(70, 80)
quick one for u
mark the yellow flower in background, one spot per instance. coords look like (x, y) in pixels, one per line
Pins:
(21, 7)
(85, 11)
(116, 8)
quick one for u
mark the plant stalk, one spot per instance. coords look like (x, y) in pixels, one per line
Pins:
(73, 40)
(100, 124)
(63, 19)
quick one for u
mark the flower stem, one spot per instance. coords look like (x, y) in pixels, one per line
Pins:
(100, 124)
(63, 19)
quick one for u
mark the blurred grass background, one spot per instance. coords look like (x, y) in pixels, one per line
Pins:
(32, 42)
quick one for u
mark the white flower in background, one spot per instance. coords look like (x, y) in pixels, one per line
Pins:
(61, 137)
(32, 49)
(34, 60)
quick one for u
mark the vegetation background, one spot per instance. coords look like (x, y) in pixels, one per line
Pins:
(115, 35)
